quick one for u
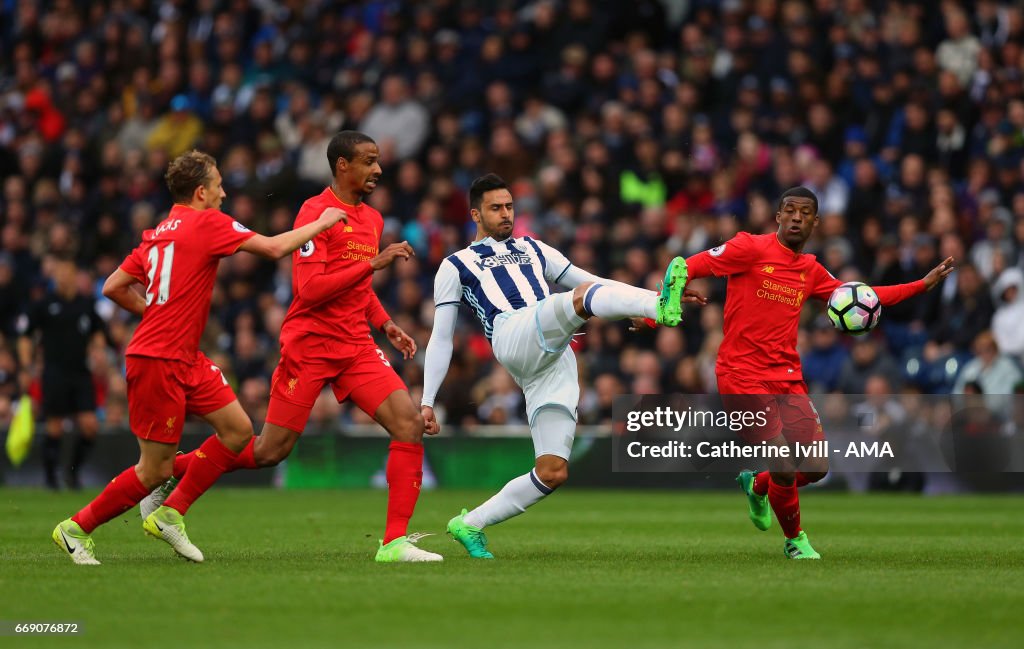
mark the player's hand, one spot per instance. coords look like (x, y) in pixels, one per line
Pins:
(400, 340)
(388, 255)
(330, 216)
(690, 296)
(430, 425)
(641, 324)
(939, 273)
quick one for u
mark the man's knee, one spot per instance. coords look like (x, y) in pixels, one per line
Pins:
(814, 476)
(784, 478)
(236, 433)
(406, 425)
(579, 295)
(154, 474)
(409, 429)
(553, 474)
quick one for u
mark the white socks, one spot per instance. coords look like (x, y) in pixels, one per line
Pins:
(512, 500)
(615, 302)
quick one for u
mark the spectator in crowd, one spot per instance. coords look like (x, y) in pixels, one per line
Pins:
(656, 126)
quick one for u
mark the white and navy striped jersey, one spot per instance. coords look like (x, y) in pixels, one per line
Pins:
(493, 277)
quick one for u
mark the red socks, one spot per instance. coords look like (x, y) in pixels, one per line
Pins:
(245, 460)
(760, 486)
(785, 502)
(761, 482)
(404, 473)
(246, 457)
(210, 461)
(124, 492)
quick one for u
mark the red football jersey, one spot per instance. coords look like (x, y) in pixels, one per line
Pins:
(177, 262)
(768, 285)
(346, 248)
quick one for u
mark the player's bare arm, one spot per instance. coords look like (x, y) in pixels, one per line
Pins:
(939, 273)
(288, 242)
(388, 256)
(119, 288)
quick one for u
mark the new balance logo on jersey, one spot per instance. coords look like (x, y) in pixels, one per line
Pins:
(513, 259)
(768, 269)
(347, 228)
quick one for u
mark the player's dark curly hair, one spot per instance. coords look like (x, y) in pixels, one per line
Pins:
(798, 192)
(343, 145)
(481, 186)
(187, 172)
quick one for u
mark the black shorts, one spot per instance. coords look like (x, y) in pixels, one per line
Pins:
(68, 392)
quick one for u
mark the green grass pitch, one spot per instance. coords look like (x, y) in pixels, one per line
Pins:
(583, 569)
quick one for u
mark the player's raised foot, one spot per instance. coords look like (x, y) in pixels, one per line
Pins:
(74, 542)
(758, 508)
(799, 547)
(168, 525)
(471, 538)
(156, 498)
(403, 549)
(670, 302)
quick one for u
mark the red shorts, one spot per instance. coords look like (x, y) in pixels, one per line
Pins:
(362, 374)
(787, 408)
(162, 392)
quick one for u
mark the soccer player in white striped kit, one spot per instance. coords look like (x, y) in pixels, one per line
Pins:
(504, 280)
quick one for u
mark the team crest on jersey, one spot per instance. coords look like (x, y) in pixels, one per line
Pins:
(513, 259)
(307, 248)
(717, 250)
(292, 383)
(239, 227)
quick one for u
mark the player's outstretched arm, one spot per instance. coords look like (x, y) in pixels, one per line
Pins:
(288, 242)
(825, 284)
(119, 289)
(438, 359)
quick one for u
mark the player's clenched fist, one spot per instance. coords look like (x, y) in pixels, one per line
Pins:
(392, 252)
(331, 216)
(430, 425)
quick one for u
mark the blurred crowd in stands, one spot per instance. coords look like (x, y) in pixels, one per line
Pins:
(630, 131)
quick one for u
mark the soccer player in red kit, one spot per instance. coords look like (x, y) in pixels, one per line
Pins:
(168, 377)
(770, 278)
(325, 340)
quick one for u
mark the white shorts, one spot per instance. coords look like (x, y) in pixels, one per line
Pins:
(533, 345)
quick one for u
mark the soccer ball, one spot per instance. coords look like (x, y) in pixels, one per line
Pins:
(854, 308)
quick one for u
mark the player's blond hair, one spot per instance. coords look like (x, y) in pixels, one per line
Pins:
(187, 172)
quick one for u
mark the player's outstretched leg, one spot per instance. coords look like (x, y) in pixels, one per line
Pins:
(553, 430)
(74, 542)
(212, 459)
(122, 493)
(757, 503)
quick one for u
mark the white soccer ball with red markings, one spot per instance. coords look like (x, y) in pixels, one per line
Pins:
(854, 308)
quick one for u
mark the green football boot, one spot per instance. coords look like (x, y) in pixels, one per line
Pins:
(799, 547)
(758, 508)
(74, 542)
(471, 538)
(670, 302)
